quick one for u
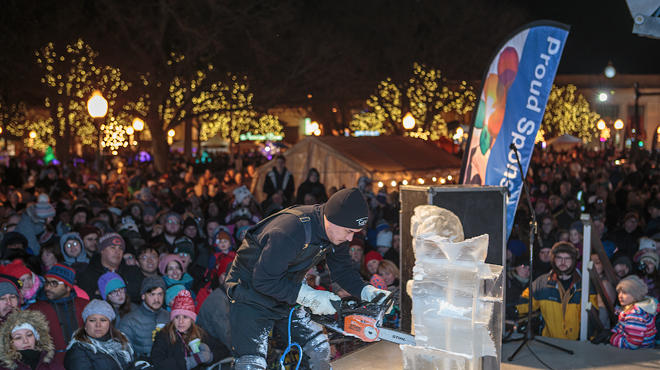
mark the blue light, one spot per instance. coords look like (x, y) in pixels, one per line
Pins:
(641, 144)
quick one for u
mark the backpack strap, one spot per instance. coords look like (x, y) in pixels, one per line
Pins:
(306, 222)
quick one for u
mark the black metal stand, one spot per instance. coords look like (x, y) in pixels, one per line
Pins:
(529, 334)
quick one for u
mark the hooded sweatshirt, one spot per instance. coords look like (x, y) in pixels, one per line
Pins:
(636, 327)
(82, 257)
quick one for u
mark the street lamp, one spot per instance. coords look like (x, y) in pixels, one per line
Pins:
(170, 136)
(408, 121)
(618, 124)
(97, 107)
(138, 125)
(601, 124)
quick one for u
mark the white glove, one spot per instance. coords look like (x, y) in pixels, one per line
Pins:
(317, 300)
(370, 292)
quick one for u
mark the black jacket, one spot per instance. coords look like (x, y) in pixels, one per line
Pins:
(88, 279)
(164, 356)
(277, 264)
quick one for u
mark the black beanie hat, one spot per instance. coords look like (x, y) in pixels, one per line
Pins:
(347, 208)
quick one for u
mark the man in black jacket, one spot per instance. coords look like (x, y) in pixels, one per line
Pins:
(110, 257)
(266, 278)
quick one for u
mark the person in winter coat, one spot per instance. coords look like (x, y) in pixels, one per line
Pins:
(312, 186)
(213, 306)
(182, 344)
(279, 179)
(73, 252)
(25, 343)
(141, 325)
(516, 281)
(113, 291)
(31, 282)
(636, 326)
(61, 305)
(15, 246)
(9, 296)
(33, 222)
(99, 345)
(558, 295)
(109, 257)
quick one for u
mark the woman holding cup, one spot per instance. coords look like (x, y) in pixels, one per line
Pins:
(182, 344)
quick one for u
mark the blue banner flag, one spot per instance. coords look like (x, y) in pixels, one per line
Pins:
(514, 93)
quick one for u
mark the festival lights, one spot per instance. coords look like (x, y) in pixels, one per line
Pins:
(569, 113)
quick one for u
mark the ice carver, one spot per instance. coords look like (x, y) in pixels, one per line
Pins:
(558, 294)
(267, 278)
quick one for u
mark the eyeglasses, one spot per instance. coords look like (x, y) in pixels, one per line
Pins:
(7, 300)
(357, 250)
(148, 257)
(129, 257)
(547, 224)
(172, 222)
(52, 284)
(117, 292)
(563, 259)
(183, 254)
(71, 245)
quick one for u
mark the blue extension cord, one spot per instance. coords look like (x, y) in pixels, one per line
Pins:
(286, 351)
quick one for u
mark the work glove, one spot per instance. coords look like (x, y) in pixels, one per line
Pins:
(370, 292)
(318, 301)
(602, 337)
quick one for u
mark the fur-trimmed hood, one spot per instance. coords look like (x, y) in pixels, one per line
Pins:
(9, 354)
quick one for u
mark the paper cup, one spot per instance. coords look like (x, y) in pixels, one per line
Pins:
(194, 345)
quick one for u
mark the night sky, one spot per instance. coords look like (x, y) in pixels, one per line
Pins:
(601, 31)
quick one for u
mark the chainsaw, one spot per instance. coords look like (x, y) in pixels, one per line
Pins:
(363, 320)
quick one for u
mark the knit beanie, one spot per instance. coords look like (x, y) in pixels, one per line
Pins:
(647, 243)
(184, 245)
(347, 208)
(384, 239)
(172, 292)
(183, 305)
(109, 282)
(173, 215)
(223, 235)
(634, 286)
(623, 260)
(373, 255)
(110, 239)
(162, 266)
(382, 225)
(43, 210)
(63, 273)
(358, 242)
(86, 230)
(17, 269)
(189, 222)
(650, 256)
(521, 261)
(98, 307)
(240, 193)
(28, 326)
(9, 285)
(516, 247)
(563, 247)
(152, 282)
(577, 226)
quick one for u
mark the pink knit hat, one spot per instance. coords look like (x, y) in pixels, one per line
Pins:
(183, 305)
(162, 266)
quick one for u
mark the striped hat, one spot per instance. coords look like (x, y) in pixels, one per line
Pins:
(63, 273)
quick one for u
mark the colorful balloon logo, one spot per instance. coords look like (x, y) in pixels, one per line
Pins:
(492, 105)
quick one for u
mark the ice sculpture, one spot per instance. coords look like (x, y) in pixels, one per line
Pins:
(457, 298)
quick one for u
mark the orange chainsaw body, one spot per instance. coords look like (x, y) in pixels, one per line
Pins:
(362, 327)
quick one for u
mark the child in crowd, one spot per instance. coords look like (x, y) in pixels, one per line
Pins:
(648, 270)
(636, 326)
(371, 261)
(31, 282)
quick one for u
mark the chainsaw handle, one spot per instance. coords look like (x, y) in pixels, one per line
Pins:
(337, 307)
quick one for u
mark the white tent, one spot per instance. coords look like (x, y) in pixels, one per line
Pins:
(215, 144)
(564, 142)
(341, 161)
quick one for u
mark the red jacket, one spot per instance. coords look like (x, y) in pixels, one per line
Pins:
(56, 324)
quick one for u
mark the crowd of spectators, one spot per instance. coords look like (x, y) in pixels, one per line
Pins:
(128, 272)
(622, 197)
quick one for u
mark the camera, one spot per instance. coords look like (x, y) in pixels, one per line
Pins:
(642, 266)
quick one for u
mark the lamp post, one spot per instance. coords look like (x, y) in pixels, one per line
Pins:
(408, 121)
(618, 125)
(97, 107)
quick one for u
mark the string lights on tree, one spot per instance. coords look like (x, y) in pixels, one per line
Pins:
(427, 98)
(569, 113)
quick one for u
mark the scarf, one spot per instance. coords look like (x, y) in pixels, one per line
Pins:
(110, 346)
(30, 357)
(36, 285)
(522, 280)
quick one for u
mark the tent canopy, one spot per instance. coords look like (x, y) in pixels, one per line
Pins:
(341, 161)
(215, 142)
(564, 142)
